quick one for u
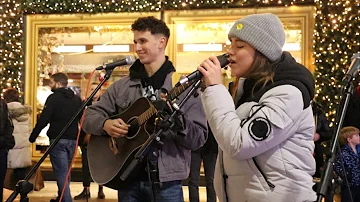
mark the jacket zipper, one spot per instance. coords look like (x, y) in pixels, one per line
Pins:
(224, 176)
(271, 185)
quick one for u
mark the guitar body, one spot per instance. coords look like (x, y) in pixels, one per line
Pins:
(105, 165)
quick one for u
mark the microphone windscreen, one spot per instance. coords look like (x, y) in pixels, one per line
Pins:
(223, 59)
(130, 60)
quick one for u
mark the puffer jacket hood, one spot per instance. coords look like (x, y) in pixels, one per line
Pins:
(287, 71)
(18, 111)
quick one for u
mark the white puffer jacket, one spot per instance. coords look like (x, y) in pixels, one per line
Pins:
(278, 135)
(20, 155)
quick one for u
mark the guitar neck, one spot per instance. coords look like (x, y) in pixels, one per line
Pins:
(147, 114)
(176, 91)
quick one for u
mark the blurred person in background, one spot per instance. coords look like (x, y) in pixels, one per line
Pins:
(7, 141)
(59, 108)
(83, 143)
(19, 157)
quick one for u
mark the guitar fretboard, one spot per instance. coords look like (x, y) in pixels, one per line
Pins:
(177, 90)
(146, 115)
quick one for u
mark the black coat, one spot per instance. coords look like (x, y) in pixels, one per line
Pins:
(7, 140)
(322, 126)
(352, 117)
(210, 145)
(59, 108)
(325, 132)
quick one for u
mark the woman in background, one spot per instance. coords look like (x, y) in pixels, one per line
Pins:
(6, 142)
(19, 157)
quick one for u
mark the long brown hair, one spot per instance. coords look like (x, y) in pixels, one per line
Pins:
(262, 71)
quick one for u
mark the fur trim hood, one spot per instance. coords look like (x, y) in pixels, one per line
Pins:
(18, 111)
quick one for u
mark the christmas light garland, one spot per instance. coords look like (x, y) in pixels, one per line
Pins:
(336, 40)
(336, 36)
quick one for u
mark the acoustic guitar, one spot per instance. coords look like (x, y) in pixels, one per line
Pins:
(108, 157)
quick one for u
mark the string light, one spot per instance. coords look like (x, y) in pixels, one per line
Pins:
(11, 52)
(11, 12)
(336, 40)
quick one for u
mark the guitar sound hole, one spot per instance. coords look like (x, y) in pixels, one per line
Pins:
(133, 129)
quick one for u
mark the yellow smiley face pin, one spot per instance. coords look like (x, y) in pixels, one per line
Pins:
(239, 26)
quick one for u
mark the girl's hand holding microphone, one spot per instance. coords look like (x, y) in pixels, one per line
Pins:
(211, 71)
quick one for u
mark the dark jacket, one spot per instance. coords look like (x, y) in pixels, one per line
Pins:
(322, 124)
(59, 108)
(352, 117)
(7, 140)
(325, 132)
(210, 145)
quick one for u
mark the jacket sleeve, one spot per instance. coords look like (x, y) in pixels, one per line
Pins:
(99, 112)
(44, 119)
(254, 127)
(194, 134)
(7, 140)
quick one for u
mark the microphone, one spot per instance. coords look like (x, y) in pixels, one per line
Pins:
(223, 59)
(128, 60)
(353, 69)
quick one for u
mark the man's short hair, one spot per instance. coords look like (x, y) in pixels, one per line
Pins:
(60, 78)
(152, 24)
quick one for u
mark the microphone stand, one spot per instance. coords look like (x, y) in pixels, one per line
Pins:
(327, 176)
(154, 139)
(23, 187)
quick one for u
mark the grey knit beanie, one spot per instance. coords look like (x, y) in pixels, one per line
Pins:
(264, 32)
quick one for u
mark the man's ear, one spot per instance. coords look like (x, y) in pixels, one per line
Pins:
(163, 41)
(58, 85)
